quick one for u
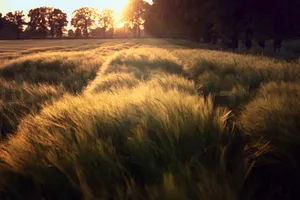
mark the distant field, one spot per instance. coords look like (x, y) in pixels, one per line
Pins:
(15, 49)
(146, 119)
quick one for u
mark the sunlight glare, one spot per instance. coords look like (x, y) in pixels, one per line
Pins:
(66, 6)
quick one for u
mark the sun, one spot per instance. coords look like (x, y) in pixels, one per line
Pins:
(120, 24)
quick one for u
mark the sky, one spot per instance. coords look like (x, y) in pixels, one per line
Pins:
(67, 6)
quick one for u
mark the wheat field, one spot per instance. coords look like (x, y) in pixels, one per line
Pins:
(146, 119)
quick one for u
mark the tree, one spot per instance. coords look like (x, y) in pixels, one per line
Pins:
(17, 20)
(231, 20)
(38, 23)
(1, 21)
(47, 19)
(106, 20)
(83, 19)
(97, 32)
(78, 33)
(134, 14)
(57, 21)
(180, 18)
(71, 33)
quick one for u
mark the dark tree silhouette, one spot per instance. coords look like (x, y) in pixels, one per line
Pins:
(83, 19)
(57, 22)
(71, 33)
(134, 14)
(45, 20)
(78, 33)
(229, 20)
(106, 20)
(1, 21)
(17, 21)
(38, 23)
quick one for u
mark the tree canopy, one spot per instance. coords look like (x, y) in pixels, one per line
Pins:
(106, 20)
(46, 20)
(83, 19)
(16, 21)
(57, 21)
(134, 14)
(208, 20)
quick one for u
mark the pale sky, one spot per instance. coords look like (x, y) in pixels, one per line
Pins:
(67, 6)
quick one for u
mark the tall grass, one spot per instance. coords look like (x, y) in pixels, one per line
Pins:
(234, 79)
(51, 69)
(96, 142)
(112, 82)
(26, 83)
(18, 100)
(143, 62)
(155, 123)
(273, 116)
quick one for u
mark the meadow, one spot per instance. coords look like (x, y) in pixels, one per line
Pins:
(147, 119)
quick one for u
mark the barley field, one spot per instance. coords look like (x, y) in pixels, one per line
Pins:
(146, 119)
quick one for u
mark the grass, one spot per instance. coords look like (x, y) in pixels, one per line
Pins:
(49, 70)
(17, 100)
(273, 116)
(116, 132)
(31, 80)
(148, 119)
(143, 62)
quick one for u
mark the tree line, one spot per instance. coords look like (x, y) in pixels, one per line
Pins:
(207, 21)
(48, 21)
(42, 21)
(229, 21)
(51, 22)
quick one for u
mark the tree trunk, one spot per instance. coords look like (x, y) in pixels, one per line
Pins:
(104, 27)
(18, 34)
(277, 44)
(139, 31)
(235, 40)
(261, 43)
(248, 39)
(214, 37)
(207, 33)
(52, 32)
(86, 34)
(134, 32)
